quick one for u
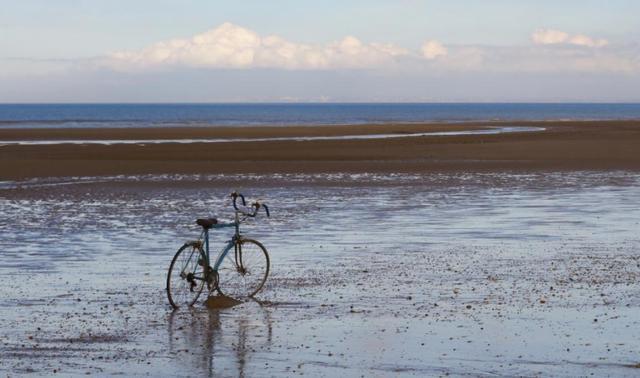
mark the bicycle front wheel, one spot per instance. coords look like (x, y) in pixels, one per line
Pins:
(186, 275)
(244, 269)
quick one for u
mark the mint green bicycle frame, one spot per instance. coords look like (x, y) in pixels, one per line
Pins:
(225, 250)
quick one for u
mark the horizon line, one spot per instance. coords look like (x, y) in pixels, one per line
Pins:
(329, 103)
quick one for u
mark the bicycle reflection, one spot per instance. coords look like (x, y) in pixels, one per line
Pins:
(219, 342)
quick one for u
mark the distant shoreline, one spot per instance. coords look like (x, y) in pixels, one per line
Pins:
(568, 145)
(117, 125)
(242, 115)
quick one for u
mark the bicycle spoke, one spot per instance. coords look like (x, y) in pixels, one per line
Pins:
(246, 276)
(186, 276)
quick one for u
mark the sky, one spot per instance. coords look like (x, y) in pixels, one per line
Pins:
(315, 51)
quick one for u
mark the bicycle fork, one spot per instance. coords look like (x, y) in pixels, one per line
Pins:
(238, 257)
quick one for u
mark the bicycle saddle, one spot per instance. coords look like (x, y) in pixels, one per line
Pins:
(206, 222)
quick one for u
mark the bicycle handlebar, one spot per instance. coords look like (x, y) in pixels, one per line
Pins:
(235, 196)
(254, 206)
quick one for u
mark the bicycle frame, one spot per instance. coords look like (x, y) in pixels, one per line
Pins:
(225, 250)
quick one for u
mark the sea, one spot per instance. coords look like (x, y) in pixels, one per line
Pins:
(285, 114)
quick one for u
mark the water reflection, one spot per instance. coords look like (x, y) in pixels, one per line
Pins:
(111, 218)
(219, 342)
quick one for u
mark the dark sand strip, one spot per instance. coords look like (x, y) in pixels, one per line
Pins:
(592, 145)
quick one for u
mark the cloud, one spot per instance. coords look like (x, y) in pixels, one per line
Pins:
(549, 37)
(555, 37)
(232, 46)
(433, 50)
(232, 63)
(583, 40)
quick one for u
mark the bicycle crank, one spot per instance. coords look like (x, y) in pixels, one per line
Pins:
(192, 282)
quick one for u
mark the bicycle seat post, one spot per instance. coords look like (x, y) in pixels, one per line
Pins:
(237, 222)
(206, 242)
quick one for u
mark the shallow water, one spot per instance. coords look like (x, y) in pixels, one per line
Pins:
(108, 142)
(481, 274)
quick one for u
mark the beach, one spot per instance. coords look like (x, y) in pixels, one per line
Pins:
(568, 145)
(505, 253)
(371, 274)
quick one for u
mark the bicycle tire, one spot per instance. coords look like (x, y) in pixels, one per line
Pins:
(244, 270)
(185, 286)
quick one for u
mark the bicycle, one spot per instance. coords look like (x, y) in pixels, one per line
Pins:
(237, 275)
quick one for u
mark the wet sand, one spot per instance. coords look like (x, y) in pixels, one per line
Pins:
(527, 274)
(509, 254)
(569, 145)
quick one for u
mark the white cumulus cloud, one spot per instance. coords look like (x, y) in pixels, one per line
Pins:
(549, 37)
(554, 37)
(583, 40)
(433, 49)
(232, 46)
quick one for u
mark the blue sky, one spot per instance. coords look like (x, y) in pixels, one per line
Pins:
(104, 50)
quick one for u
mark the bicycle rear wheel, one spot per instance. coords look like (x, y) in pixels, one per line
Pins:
(244, 270)
(186, 276)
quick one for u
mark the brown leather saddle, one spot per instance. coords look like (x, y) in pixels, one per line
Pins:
(206, 222)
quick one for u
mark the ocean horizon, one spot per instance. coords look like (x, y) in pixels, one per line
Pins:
(136, 115)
